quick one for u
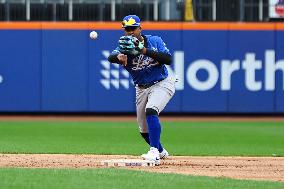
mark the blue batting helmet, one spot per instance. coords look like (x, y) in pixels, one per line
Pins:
(131, 21)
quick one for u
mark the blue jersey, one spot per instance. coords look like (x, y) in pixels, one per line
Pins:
(144, 69)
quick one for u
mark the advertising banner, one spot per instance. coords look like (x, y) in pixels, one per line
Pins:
(222, 68)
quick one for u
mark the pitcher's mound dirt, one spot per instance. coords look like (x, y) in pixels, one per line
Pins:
(255, 168)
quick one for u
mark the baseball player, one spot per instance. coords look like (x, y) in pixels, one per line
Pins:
(145, 57)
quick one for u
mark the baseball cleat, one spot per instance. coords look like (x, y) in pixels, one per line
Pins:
(164, 154)
(152, 155)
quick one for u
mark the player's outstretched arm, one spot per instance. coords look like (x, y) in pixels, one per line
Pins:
(118, 58)
(113, 58)
(161, 57)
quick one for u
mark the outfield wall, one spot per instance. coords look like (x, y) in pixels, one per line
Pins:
(222, 67)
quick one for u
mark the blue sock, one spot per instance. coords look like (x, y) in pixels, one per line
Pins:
(154, 128)
(146, 138)
(160, 147)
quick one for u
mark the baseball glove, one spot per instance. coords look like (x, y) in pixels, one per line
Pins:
(130, 45)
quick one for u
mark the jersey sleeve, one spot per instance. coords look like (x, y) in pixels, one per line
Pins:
(115, 51)
(162, 47)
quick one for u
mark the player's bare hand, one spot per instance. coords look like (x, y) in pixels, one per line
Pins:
(123, 59)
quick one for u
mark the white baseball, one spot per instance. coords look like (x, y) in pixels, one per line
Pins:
(93, 35)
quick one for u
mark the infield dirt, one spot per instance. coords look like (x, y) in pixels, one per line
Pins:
(254, 168)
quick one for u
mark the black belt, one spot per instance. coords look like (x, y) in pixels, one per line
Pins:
(145, 86)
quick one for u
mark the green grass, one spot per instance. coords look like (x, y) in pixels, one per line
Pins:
(116, 179)
(180, 138)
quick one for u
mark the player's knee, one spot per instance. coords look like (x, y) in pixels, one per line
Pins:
(151, 111)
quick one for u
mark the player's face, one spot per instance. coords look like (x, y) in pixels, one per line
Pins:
(134, 31)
